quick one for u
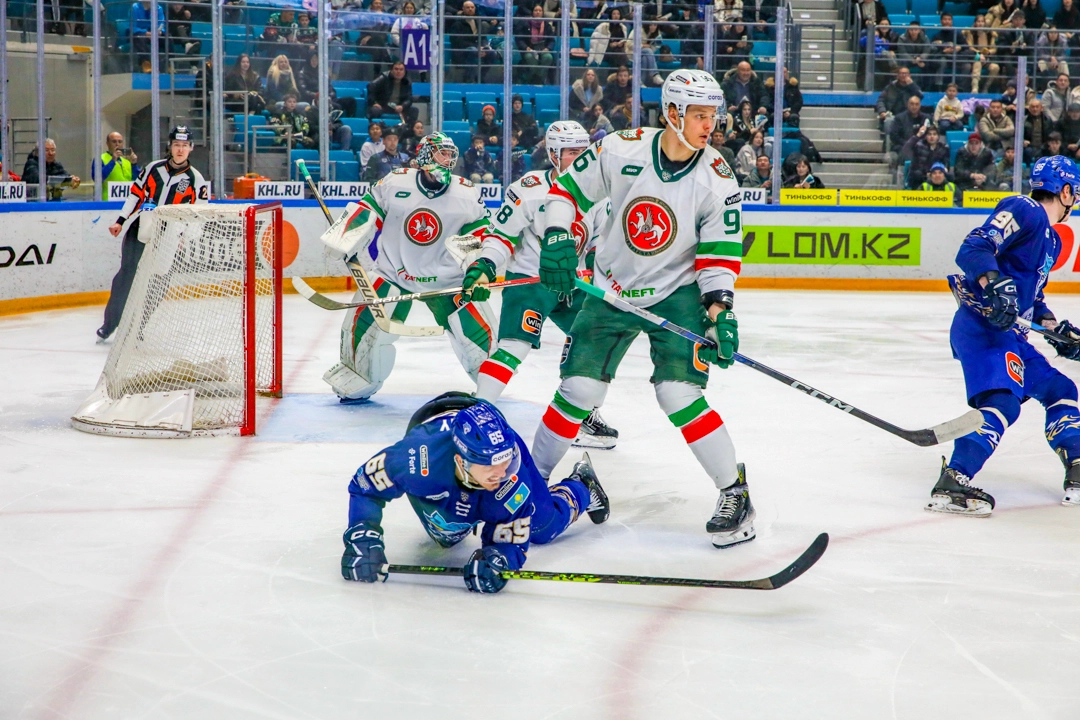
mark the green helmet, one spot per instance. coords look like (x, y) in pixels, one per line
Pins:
(437, 154)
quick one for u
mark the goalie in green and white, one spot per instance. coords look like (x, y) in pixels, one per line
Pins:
(416, 230)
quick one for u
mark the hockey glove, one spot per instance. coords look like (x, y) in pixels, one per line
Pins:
(558, 261)
(472, 287)
(725, 333)
(1067, 350)
(1000, 296)
(483, 572)
(364, 557)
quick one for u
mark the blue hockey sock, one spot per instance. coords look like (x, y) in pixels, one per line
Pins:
(1063, 421)
(569, 499)
(1000, 410)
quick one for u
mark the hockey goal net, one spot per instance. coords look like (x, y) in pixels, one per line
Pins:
(200, 334)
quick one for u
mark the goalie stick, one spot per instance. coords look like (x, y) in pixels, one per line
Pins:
(329, 304)
(363, 282)
(803, 563)
(967, 423)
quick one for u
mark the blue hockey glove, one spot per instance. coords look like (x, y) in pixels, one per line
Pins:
(364, 555)
(1000, 296)
(725, 333)
(483, 572)
(471, 287)
(558, 261)
(1067, 350)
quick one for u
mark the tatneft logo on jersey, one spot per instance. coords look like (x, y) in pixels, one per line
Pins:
(423, 227)
(649, 226)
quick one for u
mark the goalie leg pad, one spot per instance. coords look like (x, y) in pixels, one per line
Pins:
(472, 335)
(367, 353)
(702, 428)
(574, 400)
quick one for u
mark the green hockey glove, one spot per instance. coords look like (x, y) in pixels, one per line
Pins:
(725, 333)
(472, 287)
(558, 261)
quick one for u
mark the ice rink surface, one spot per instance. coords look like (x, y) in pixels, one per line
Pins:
(199, 579)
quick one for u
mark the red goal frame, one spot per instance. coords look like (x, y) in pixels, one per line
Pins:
(253, 245)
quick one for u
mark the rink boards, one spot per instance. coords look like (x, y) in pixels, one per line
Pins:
(61, 255)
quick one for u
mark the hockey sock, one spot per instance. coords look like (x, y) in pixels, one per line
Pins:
(1000, 409)
(1063, 418)
(702, 428)
(497, 370)
(569, 499)
(574, 400)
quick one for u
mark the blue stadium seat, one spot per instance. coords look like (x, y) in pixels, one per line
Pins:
(449, 126)
(900, 20)
(896, 7)
(201, 27)
(650, 95)
(956, 135)
(963, 21)
(453, 110)
(547, 101)
(924, 7)
(347, 170)
(476, 109)
(461, 138)
(954, 147)
(341, 156)
(788, 146)
(930, 20)
(547, 116)
(359, 126)
(483, 97)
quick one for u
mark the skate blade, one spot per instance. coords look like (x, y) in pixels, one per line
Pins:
(594, 442)
(944, 504)
(726, 540)
(353, 401)
(1072, 497)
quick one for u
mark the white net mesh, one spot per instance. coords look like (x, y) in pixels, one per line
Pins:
(183, 327)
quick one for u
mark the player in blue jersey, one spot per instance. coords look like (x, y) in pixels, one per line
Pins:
(461, 464)
(1006, 262)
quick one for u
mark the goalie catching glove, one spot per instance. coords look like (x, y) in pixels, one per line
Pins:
(558, 261)
(477, 276)
(364, 556)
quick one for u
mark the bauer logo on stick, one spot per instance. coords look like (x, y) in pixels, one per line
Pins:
(1015, 366)
(423, 227)
(649, 226)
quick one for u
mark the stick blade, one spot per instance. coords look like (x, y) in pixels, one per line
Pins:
(967, 423)
(803, 563)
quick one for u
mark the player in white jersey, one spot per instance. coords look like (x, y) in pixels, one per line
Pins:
(675, 247)
(400, 230)
(513, 242)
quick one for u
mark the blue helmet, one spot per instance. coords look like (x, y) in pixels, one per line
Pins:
(483, 437)
(1054, 173)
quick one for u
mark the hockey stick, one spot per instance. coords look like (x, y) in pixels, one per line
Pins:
(967, 423)
(1040, 330)
(324, 302)
(803, 563)
(363, 282)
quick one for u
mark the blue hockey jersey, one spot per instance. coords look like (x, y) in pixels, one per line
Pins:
(1018, 242)
(421, 465)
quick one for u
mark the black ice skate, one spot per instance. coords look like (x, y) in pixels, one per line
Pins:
(595, 433)
(599, 506)
(955, 494)
(732, 522)
(102, 335)
(1072, 480)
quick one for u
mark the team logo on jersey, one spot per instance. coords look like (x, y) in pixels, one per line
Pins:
(423, 227)
(1015, 367)
(721, 168)
(531, 322)
(566, 349)
(581, 235)
(634, 134)
(182, 185)
(699, 364)
(521, 494)
(529, 181)
(649, 226)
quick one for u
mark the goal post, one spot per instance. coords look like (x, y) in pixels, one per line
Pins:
(200, 335)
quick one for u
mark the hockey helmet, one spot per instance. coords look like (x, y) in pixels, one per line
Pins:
(684, 88)
(180, 132)
(437, 154)
(483, 437)
(564, 134)
(1054, 174)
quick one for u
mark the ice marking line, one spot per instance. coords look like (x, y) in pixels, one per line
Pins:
(79, 511)
(62, 696)
(1030, 707)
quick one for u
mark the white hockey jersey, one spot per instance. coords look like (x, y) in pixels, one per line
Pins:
(513, 237)
(667, 229)
(410, 251)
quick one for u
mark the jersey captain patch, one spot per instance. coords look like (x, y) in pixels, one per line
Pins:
(423, 227)
(649, 226)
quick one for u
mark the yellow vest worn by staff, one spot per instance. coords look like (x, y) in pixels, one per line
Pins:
(122, 171)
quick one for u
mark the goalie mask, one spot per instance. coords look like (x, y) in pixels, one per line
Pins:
(564, 134)
(437, 155)
(684, 88)
(483, 438)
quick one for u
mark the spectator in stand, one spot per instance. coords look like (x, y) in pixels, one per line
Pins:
(728, 11)
(375, 39)
(291, 120)
(1037, 129)
(179, 24)
(884, 52)
(746, 159)
(905, 126)
(617, 91)
(1052, 147)
(996, 128)
(938, 180)
(1008, 99)
(585, 94)
(411, 138)
(56, 177)
(945, 52)
(803, 176)
(12, 177)
(390, 96)
(974, 165)
(913, 49)
(372, 146)
(982, 47)
(340, 133)
(792, 98)
(408, 20)
(280, 82)
(285, 21)
(872, 11)
(742, 83)
(479, 165)
(718, 140)
(534, 40)
(1056, 98)
(488, 128)
(470, 49)
(597, 124)
(762, 175)
(141, 29)
(523, 123)
(517, 158)
(243, 88)
(306, 33)
(734, 45)
(1051, 51)
(1003, 171)
(744, 126)
(307, 79)
(925, 149)
(391, 158)
(949, 113)
(1034, 14)
(650, 48)
(602, 39)
(1013, 43)
(117, 163)
(1067, 18)
(893, 100)
(1069, 126)
(1000, 15)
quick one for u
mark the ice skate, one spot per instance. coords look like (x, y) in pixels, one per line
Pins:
(955, 494)
(1072, 485)
(595, 433)
(599, 507)
(732, 522)
(102, 335)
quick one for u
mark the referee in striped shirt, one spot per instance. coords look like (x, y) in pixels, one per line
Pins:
(171, 181)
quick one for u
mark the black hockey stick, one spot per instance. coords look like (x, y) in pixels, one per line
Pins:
(803, 563)
(1049, 334)
(967, 423)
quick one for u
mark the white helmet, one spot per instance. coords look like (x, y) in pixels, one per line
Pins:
(564, 134)
(684, 88)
